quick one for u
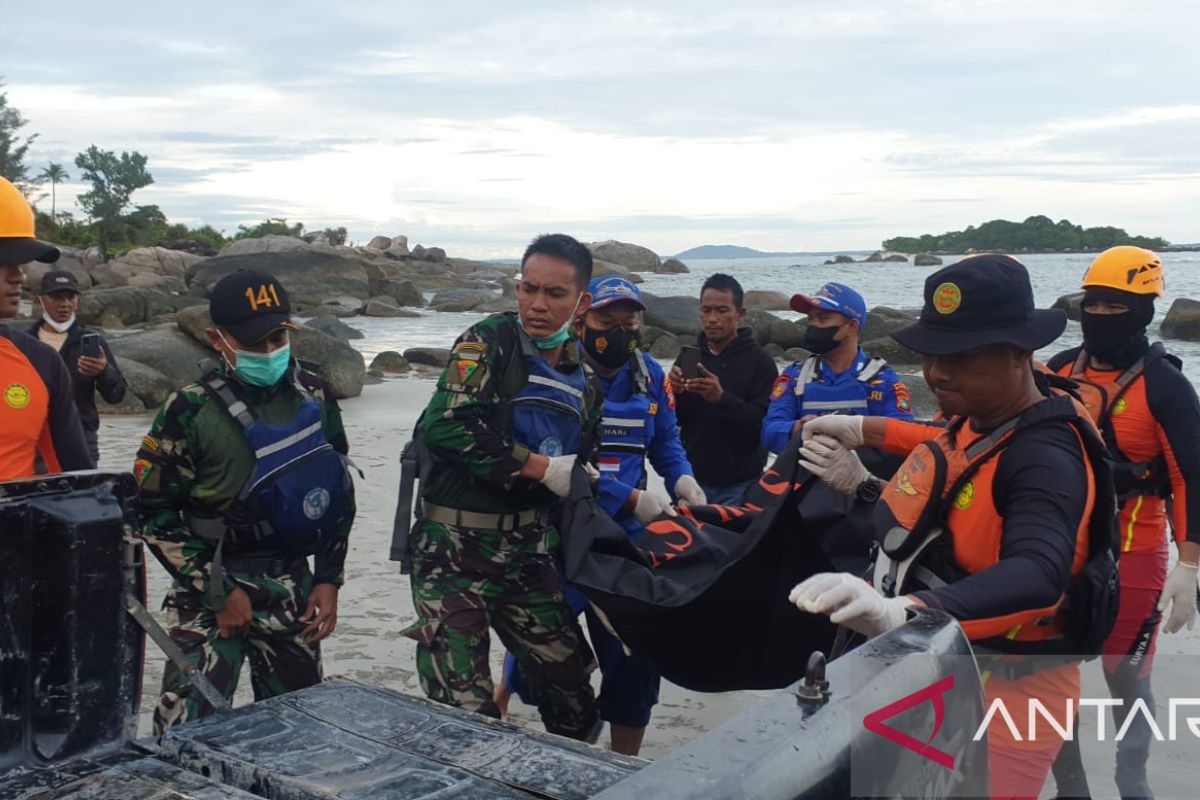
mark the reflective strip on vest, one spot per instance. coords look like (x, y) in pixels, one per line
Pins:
(288, 441)
(624, 423)
(553, 384)
(834, 405)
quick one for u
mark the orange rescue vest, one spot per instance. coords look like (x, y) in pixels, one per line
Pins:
(944, 486)
(1131, 478)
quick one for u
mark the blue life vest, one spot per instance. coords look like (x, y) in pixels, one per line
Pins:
(627, 427)
(848, 396)
(300, 487)
(547, 414)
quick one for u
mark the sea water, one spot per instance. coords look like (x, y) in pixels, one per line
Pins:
(882, 284)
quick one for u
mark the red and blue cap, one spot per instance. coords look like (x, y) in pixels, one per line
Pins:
(609, 289)
(833, 297)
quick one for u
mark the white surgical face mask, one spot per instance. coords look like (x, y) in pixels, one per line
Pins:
(61, 327)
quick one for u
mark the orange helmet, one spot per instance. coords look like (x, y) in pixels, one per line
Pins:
(1127, 269)
(17, 244)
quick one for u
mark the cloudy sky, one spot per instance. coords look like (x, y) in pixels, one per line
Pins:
(814, 125)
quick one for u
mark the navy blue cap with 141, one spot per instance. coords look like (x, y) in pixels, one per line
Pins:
(833, 297)
(609, 289)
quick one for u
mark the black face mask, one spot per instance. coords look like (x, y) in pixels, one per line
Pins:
(820, 340)
(1117, 339)
(1114, 338)
(613, 347)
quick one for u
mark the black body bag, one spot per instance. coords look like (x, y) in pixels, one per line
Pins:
(704, 596)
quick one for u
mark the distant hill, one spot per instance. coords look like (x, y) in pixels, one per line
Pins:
(725, 251)
(1038, 234)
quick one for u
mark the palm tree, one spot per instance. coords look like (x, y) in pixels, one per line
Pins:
(56, 174)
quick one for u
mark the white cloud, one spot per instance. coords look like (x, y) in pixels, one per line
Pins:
(773, 124)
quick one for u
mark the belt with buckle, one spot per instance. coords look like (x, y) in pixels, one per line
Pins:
(476, 519)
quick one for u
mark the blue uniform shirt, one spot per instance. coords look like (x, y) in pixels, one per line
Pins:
(883, 395)
(634, 427)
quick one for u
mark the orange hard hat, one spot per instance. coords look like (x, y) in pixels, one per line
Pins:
(17, 245)
(1127, 269)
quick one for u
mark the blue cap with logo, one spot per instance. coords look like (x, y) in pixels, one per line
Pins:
(833, 297)
(609, 289)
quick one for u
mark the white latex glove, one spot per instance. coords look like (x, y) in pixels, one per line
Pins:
(847, 429)
(558, 474)
(650, 505)
(824, 457)
(689, 492)
(850, 601)
(1179, 593)
(592, 473)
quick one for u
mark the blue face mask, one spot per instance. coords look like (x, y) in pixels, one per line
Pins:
(555, 339)
(261, 369)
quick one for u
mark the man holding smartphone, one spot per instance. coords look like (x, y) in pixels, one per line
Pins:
(91, 363)
(720, 406)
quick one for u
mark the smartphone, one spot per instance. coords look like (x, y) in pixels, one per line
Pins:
(89, 345)
(688, 361)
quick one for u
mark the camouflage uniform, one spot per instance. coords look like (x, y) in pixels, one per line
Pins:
(195, 458)
(467, 578)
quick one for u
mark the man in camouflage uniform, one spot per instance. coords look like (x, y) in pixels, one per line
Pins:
(511, 410)
(259, 601)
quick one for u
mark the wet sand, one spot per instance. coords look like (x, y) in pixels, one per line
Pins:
(376, 603)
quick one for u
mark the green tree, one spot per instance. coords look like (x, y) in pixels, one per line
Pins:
(1037, 234)
(273, 226)
(114, 179)
(13, 146)
(55, 174)
(146, 226)
(336, 236)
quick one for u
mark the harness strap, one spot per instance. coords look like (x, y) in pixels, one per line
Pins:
(641, 374)
(871, 369)
(808, 371)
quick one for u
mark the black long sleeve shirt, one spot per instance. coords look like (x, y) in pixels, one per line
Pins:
(722, 439)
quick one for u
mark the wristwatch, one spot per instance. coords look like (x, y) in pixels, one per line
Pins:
(868, 491)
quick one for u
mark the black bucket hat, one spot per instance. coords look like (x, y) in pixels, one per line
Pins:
(978, 301)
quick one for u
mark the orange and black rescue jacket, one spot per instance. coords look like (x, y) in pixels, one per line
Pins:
(946, 485)
(1150, 422)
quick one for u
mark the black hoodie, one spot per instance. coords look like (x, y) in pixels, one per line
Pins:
(722, 439)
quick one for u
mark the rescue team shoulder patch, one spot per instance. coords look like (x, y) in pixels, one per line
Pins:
(16, 395)
(150, 444)
(1121, 406)
(653, 409)
(780, 387)
(903, 399)
(670, 393)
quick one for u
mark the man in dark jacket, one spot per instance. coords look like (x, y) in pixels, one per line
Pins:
(721, 412)
(58, 327)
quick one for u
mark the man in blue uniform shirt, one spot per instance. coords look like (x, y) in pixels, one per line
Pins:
(839, 376)
(638, 423)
